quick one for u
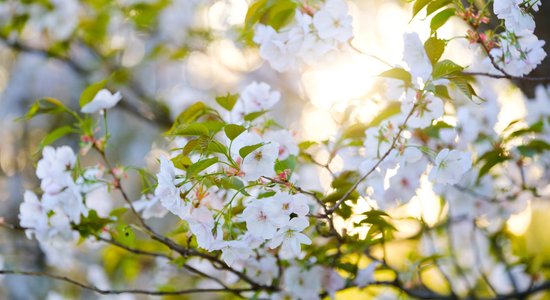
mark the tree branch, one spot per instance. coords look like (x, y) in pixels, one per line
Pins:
(116, 292)
(496, 76)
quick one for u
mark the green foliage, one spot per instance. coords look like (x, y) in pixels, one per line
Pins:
(89, 93)
(288, 164)
(446, 68)
(419, 5)
(200, 166)
(275, 13)
(228, 101)
(534, 147)
(254, 115)
(91, 225)
(441, 18)
(436, 5)
(232, 131)
(434, 48)
(46, 106)
(490, 159)
(55, 135)
(244, 151)
(399, 74)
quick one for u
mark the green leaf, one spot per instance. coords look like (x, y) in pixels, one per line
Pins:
(533, 147)
(228, 101)
(464, 86)
(232, 131)
(217, 147)
(441, 91)
(434, 48)
(46, 106)
(288, 164)
(445, 68)
(125, 235)
(55, 135)
(89, 93)
(419, 5)
(441, 18)
(190, 146)
(244, 151)
(489, 160)
(254, 115)
(275, 13)
(193, 129)
(201, 165)
(397, 73)
(436, 5)
(306, 145)
(255, 11)
(537, 127)
(281, 13)
(232, 183)
(191, 113)
(182, 162)
(91, 224)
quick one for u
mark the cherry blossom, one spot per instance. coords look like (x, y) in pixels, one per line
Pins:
(332, 21)
(102, 100)
(290, 238)
(450, 165)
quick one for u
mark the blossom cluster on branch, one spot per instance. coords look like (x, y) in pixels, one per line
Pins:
(260, 212)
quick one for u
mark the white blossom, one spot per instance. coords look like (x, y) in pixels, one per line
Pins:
(332, 21)
(450, 165)
(290, 238)
(303, 284)
(366, 275)
(102, 100)
(263, 218)
(516, 14)
(518, 53)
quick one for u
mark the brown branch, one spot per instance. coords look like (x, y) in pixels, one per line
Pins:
(496, 76)
(152, 114)
(116, 292)
(185, 252)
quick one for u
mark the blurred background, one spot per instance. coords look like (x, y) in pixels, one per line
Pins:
(165, 55)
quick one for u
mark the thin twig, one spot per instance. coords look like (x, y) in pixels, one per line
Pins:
(116, 292)
(356, 184)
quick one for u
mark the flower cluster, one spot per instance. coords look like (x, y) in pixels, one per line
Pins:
(519, 50)
(240, 201)
(307, 38)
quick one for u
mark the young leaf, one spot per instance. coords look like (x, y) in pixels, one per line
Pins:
(194, 129)
(89, 93)
(232, 183)
(254, 115)
(445, 68)
(287, 164)
(434, 48)
(201, 165)
(45, 106)
(419, 5)
(441, 18)
(228, 101)
(397, 73)
(436, 5)
(232, 131)
(244, 151)
(533, 147)
(217, 147)
(281, 13)
(54, 136)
